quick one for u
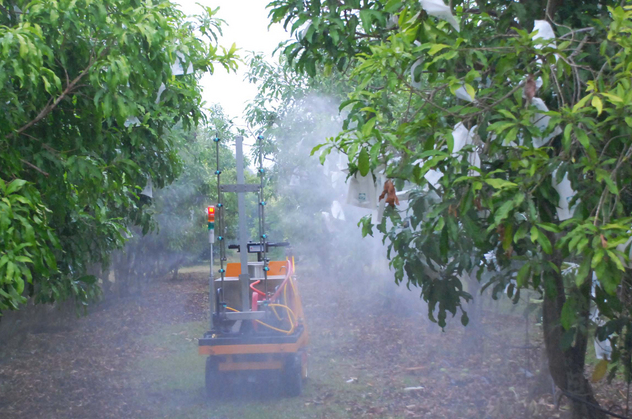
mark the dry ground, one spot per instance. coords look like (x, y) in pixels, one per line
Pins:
(372, 355)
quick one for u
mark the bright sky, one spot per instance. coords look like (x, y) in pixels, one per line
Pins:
(247, 26)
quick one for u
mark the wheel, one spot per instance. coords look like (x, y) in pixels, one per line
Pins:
(213, 381)
(293, 376)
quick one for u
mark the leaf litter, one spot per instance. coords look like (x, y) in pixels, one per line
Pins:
(367, 360)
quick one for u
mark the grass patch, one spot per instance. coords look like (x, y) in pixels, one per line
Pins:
(171, 379)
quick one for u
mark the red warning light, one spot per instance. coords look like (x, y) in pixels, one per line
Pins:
(211, 214)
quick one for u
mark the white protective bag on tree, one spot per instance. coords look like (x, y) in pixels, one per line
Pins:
(541, 122)
(433, 177)
(337, 212)
(462, 137)
(545, 31)
(566, 192)
(148, 190)
(177, 69)
(603, 350)
(439, 9)
(362, 191)
(462, 94)
(416, 83)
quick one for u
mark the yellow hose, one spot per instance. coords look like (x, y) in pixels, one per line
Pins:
(276, 314)
(287, 332)
(289, 312)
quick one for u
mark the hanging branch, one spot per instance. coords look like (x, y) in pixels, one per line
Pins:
(52, 104)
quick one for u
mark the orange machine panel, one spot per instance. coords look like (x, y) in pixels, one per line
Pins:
(233, 269)
(277, 267)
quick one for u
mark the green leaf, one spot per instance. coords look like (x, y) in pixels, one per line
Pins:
(582, 102)
(612, 97)
(521, 233)
(392, 6)
(507, 114)
(15, 186)
(567, 137)
(366, 18)
(597, 257)
(549, 227)
(545, 243)
(315, 149)
(582, 272)
(500, 183)
(436, 48)
(511, 135)
(464, 319)
(523, 275)
(583, 138)
(596, 102)
(368, 127)
(364, 162)
(470, 90)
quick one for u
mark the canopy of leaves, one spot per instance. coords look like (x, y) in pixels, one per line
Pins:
(494, 211)
(89, 93)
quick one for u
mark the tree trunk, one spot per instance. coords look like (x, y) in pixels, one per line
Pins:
(567, 365)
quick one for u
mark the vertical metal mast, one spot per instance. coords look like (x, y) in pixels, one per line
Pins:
(211, 279)
(262, 219)
(244, 277)
(220, 224)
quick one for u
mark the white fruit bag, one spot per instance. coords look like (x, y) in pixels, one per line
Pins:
(541, 122)
(439, 9)
(362, 191)
(566, 192)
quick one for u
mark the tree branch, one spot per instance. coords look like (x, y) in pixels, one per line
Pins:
(34, 167)
(50, 106)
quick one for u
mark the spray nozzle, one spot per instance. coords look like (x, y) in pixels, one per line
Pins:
(216, 139)
(217, 172)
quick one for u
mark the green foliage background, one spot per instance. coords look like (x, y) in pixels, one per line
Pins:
(82, 127)
(497, 220)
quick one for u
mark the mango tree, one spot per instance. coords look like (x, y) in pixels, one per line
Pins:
(89, 93)
(511, 124)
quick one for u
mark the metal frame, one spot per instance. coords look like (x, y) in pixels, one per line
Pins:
(240, 188)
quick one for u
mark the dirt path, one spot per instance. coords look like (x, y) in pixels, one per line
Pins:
(372, 356)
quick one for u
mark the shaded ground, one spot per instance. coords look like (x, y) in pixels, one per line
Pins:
(372, 355)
